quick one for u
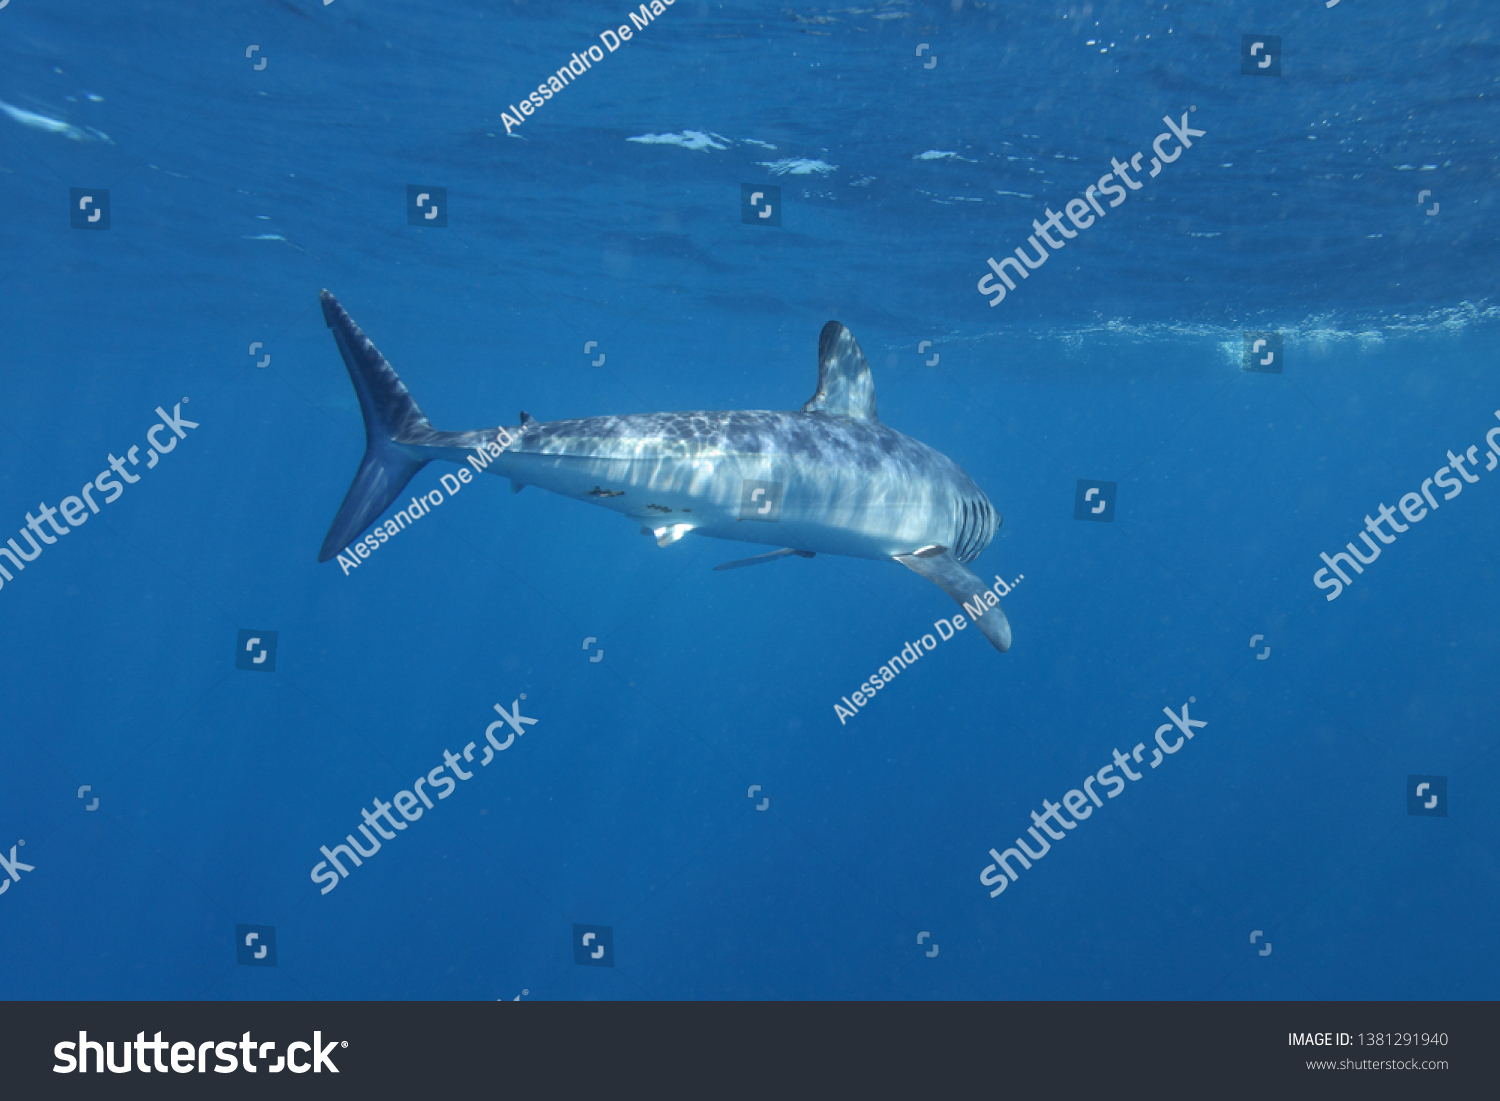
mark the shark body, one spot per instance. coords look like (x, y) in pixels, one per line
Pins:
(828, 479)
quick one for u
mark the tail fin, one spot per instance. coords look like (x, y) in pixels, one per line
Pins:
(399, 440)
(390, 414)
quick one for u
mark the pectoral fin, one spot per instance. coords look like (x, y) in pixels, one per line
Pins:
(940, 567)
(759, 558)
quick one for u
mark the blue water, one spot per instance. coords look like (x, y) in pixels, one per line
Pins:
(236, 193)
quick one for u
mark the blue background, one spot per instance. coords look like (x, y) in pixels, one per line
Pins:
(237, 193)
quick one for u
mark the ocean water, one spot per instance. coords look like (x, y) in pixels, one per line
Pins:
(689, 790)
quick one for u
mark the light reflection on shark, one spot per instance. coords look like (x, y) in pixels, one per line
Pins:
(829, 479)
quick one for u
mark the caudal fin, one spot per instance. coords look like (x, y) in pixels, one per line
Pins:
(399, 440)
(391, 416)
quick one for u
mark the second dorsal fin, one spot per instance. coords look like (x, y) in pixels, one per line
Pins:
(845, 386)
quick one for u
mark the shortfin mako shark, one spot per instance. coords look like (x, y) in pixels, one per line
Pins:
(828, 479)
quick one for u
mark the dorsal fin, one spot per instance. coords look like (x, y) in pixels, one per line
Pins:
(845, 386)
(527, 420)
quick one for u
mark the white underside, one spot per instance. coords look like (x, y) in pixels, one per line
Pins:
(824, 510)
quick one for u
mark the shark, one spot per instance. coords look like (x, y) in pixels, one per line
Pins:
(828, 478)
